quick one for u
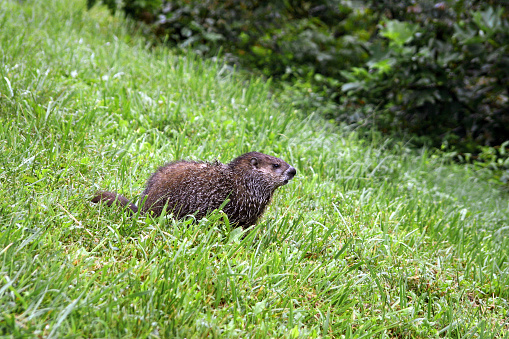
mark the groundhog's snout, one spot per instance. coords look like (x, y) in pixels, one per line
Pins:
(290, 173)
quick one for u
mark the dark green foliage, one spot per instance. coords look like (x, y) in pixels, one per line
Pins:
(442, 73)
(438, 71)
(285, 38)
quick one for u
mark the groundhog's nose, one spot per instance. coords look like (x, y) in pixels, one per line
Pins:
(291, 172)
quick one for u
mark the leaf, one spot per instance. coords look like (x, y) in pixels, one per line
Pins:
(489, 21)
(383, 66)
(399, 32)
(213, 36)
(351, 86)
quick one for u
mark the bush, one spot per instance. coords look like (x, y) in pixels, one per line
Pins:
(442, 73)
(436, 71)
(286, 39)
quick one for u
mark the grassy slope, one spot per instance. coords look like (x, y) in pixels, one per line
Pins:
(369, 239)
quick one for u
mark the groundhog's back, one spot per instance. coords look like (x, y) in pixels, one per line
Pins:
(187, 187)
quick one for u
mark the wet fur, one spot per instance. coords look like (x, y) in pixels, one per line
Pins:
(198, 188)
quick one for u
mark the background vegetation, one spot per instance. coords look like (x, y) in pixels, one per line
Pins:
(371, 238)
(436, 72)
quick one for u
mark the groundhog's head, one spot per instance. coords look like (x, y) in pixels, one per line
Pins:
(273, 171)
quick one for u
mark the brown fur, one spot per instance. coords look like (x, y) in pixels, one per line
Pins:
(198, 188)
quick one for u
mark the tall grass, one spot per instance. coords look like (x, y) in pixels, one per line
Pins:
(371, 239)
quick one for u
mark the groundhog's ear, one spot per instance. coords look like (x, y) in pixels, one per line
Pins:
(254, 162)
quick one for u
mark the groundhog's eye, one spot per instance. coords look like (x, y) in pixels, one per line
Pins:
(275, 165)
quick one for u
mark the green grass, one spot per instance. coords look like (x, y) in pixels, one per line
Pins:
(370, 239)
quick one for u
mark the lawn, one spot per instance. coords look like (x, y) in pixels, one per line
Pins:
(370, 239)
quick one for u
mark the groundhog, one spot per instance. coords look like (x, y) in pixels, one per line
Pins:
(198, 188)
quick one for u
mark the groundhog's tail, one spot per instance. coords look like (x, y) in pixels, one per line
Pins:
(111, 198)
